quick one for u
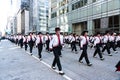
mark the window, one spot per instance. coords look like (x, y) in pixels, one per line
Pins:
(94, 1)
(53, 15)
(79, 4)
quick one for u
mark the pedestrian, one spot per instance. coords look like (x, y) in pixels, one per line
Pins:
(118, 40)
(47, 40)
(106, 41)
(56, 45)
(21, 40)
(97, 43)
(39, 44)
(73, 43)
(112, 42)
(25, 41)
(31, 40)
(83, 45)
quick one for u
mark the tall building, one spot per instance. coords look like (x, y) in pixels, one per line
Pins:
(78, 15)
(31, 15)
(25, 16)
(20, 14)
(40, 15)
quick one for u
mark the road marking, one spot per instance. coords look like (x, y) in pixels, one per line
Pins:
(65, 76)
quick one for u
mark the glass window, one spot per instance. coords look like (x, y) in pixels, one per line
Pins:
(94, 1)
(53, 15)
(104, 7)
(90, 10)
(110, 5)
(72, 6)
(116, 4)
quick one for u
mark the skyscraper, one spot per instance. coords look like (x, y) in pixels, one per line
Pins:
(40, 15)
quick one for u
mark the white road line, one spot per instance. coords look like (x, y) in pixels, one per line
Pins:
(65, 76)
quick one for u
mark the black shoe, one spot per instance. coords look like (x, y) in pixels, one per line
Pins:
(53, 67)
(89, 64)
(61, 73)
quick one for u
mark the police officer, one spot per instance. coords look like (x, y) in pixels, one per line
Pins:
(83, 45)
(56, 45)
(39, 44)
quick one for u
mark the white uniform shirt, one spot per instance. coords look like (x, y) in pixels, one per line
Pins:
(83, 40)
(97, 40)
(106, 39)
(55, 42)
(20, 37)
(29, 38)
(112, 38)
(25, 39)
(117, 38)
(73, 39)
(38, 40)
(46, 38)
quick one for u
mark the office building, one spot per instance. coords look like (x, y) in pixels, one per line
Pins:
(78, 15)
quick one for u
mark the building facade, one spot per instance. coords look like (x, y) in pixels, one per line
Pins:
(40, 15)
(78, 15)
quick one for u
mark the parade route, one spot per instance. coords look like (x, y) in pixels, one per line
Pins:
(16, 64)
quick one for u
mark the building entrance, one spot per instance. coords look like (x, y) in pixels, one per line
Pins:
(79, 27)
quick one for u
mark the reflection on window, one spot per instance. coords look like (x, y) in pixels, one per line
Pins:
(53, 15)
(94, 0)
(64, 10)
(79, 4)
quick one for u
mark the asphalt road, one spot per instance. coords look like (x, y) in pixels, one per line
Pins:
(17, 64)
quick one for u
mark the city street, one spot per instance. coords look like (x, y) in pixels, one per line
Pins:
(18, 64)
